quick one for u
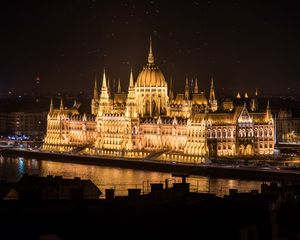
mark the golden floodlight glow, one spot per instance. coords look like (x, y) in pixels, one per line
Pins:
(149, 121)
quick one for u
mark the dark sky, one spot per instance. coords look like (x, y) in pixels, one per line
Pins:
(243, 44)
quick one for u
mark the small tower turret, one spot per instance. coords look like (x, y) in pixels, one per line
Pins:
(119, 87)
(51, 107)
(196, 90)
(105, 105)
(212, 97)
(171, 93)
(268, 112)
(96, 94)
(95, 99)
(187, 90)
(61, 106)
(131, 106)
(254, 102)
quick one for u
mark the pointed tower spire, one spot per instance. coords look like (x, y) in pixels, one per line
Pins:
(238, 95)
(246, 95)
(119, 86)
(51, 106)
(150, 56)
(75, 104)
(212, 95)
(108, 86)
(171, 94)
(104, 97)
(268, 111)
(131, 79)
(104, 85)
(187, 90)
(131, 102)
(196, 90)
(96, 95)
(61, 107)
(256, 92)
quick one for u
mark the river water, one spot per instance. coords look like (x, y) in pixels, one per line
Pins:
(12, 168)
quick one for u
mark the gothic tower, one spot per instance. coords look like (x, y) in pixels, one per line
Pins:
(196, 90)
(95, 99)
(105, 103)
(212, 97)
(131, 106)
(187, 89)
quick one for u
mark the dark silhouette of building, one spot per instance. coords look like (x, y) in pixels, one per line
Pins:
(52, 187)
(172, 212)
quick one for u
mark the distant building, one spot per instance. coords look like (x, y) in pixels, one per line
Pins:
(27, 123)
(52, 187)
(288, 126)
(23, 118)
(36, 89)
(187, 127)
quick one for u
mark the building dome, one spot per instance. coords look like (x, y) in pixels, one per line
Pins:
(199, 99)
(151, 75)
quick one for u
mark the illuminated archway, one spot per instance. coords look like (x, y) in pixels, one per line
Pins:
(249, 150)
(242, 149)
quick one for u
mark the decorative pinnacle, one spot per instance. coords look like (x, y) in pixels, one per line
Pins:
(196, 90)
(96, 96)
(119, 86)
(212, 82)
(61, 107)
(131, 79)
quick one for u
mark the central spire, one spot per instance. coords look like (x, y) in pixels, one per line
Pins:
(150, 57)
(212, 95)
(104, 80)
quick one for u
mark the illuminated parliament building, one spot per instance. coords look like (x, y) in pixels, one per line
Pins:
(151, 122)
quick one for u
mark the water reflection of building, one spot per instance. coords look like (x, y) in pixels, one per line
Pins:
(149, 120)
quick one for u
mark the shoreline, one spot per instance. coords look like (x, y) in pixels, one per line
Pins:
(178, 169)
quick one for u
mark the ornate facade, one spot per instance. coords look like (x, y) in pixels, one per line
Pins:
(150, 122)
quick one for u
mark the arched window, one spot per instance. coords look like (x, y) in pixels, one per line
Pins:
(250, 133)
(147, 106)
(153, 107)
(270, 132)
(224, 133)
(229, 133)
(209, 133)
(240, 133)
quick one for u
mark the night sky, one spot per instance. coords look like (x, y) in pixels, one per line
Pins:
(243, 44)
